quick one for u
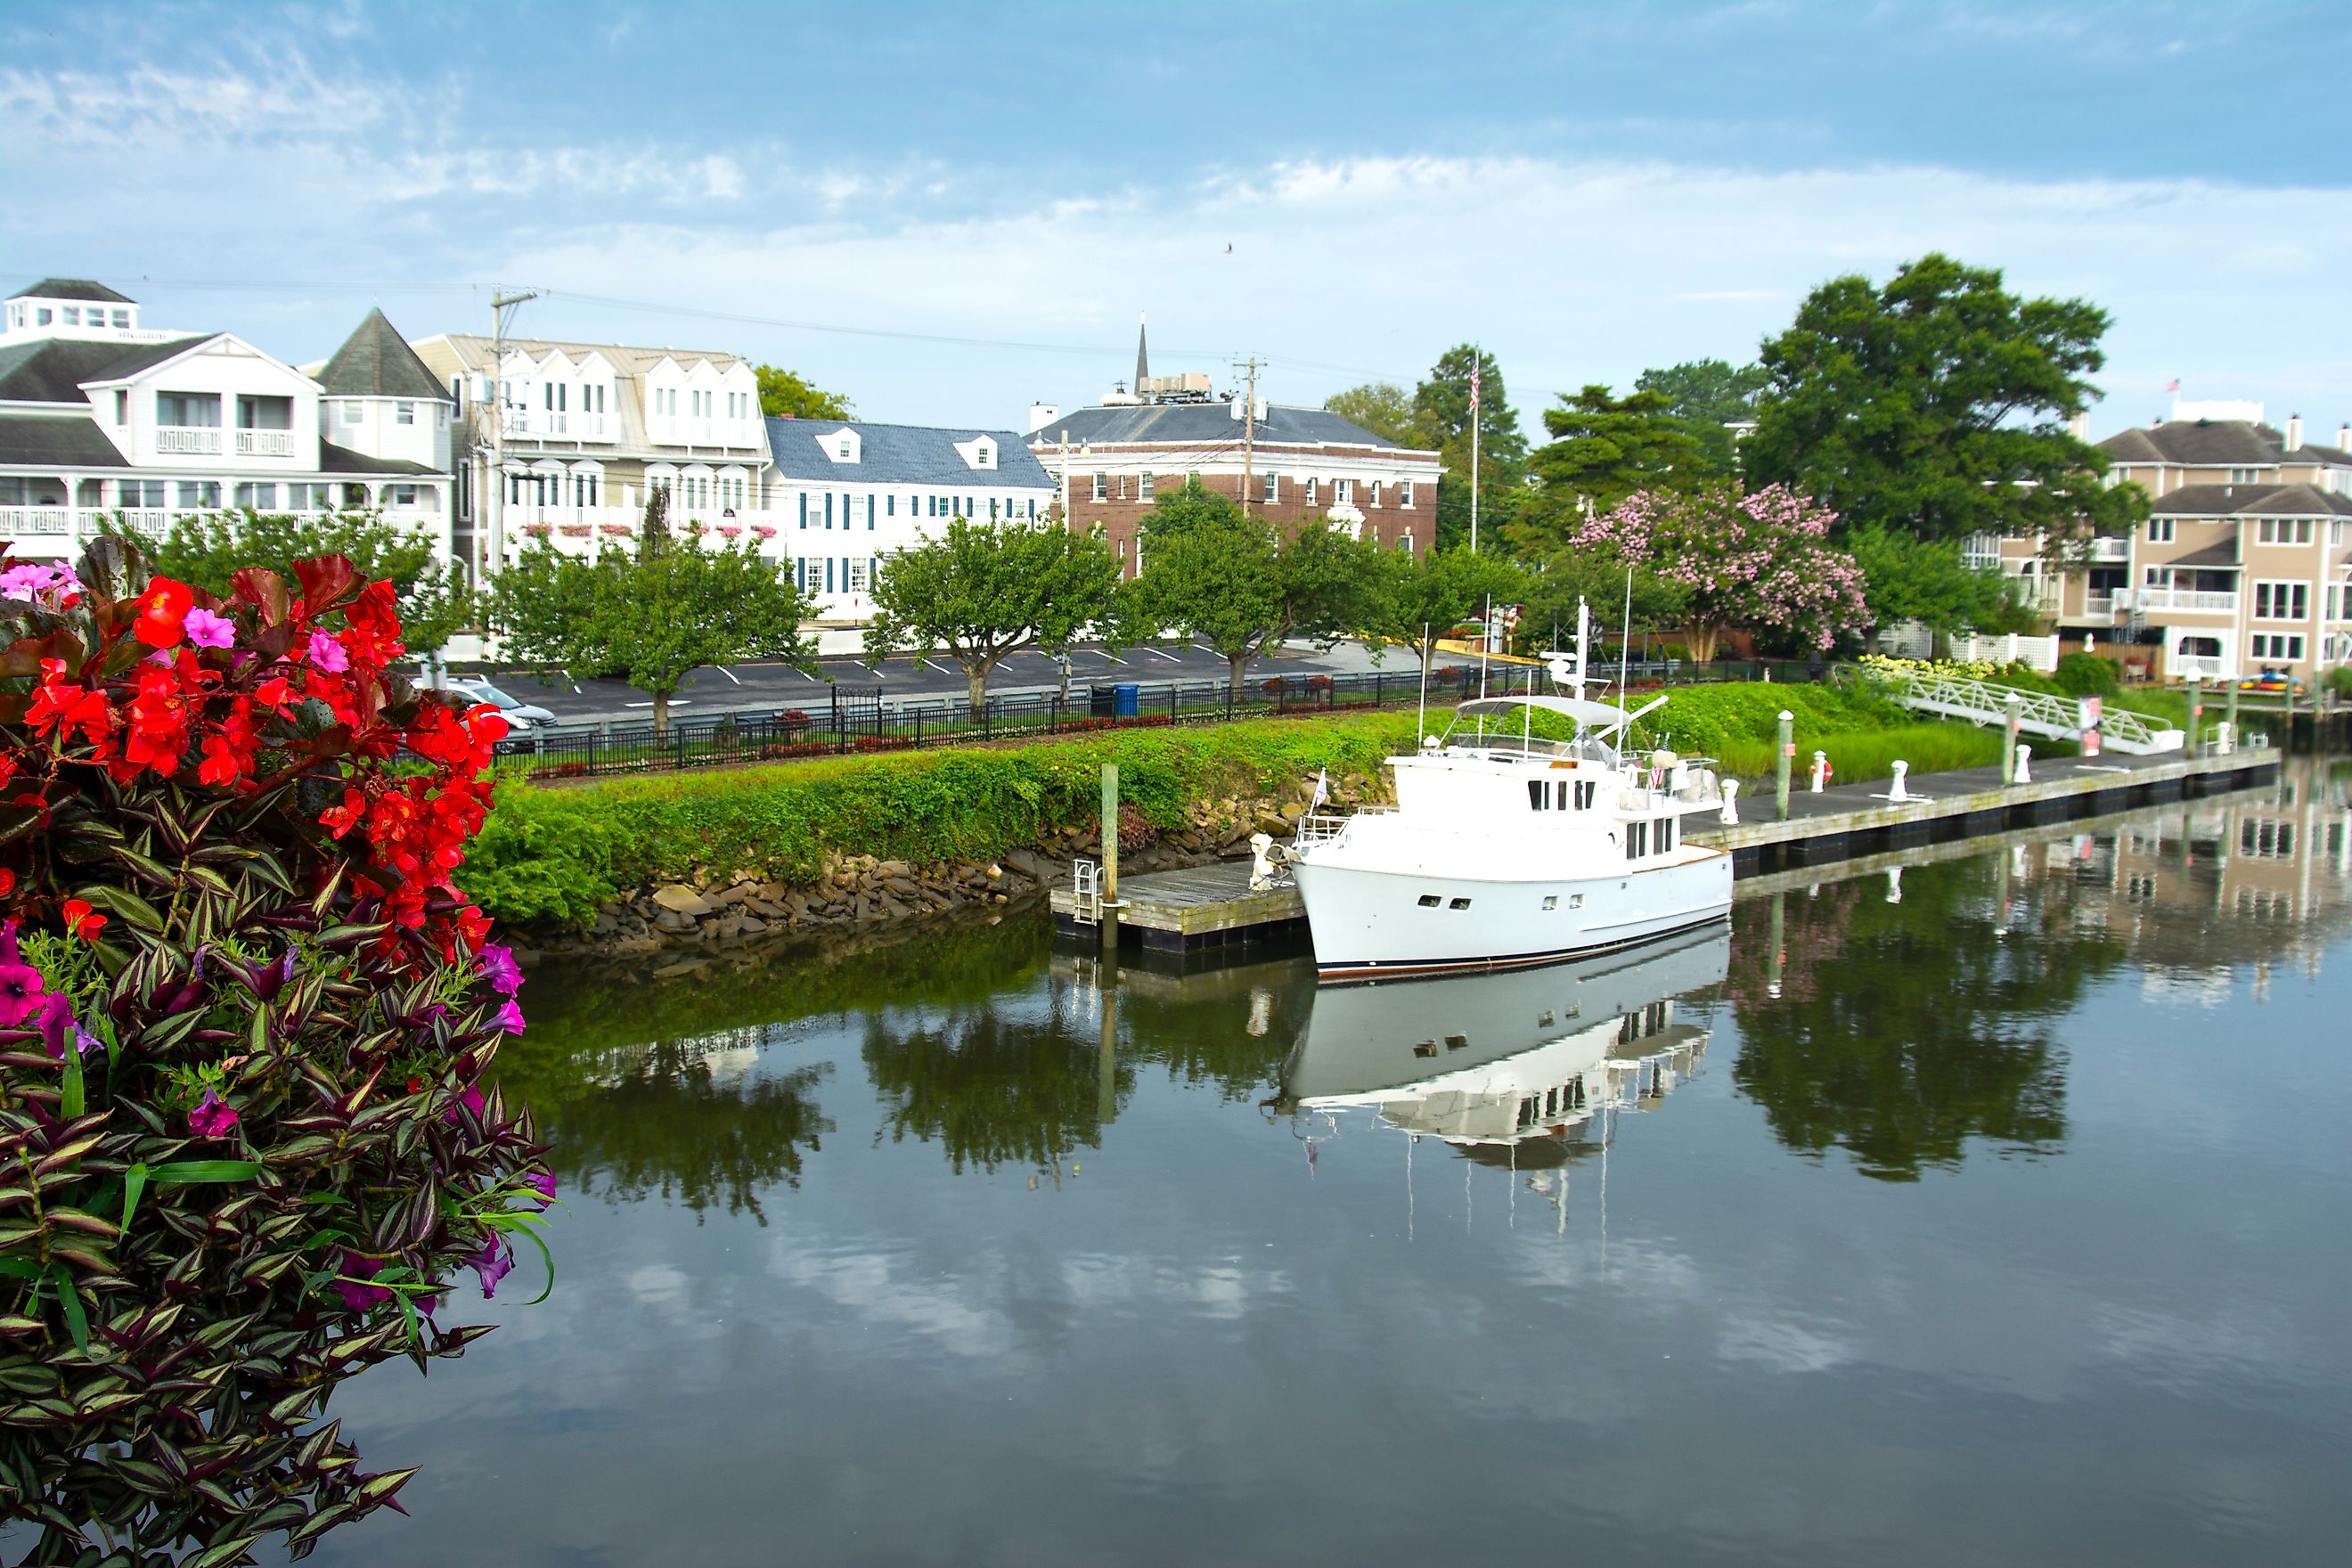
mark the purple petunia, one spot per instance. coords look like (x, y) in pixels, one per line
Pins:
(491, 1264)
(207, 629)
(328, 653)
(21, 987)
(358, 1295)
(543, 1183)
(499, 968)
(470, 1097)
(57, 1025)
(509, 1018)
(213, 1116)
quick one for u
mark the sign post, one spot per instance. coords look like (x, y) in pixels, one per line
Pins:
(2086, 717)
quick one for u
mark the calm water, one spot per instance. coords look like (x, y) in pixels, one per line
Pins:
(2005, 1223)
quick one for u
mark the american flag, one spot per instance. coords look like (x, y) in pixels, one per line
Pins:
(1473, 385)
(2172, 385)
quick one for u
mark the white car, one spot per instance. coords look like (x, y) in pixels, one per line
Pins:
(517, 713)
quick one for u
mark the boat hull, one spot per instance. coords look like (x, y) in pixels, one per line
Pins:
(1370, 922)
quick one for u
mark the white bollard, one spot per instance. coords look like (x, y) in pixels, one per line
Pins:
(1895, 884)
(1821, 770)
(2025, 757)
(1729, 815)
(2224, 741)
(1261, 862)
(1896, 792)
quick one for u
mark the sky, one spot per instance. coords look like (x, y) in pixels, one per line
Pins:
(948, 212)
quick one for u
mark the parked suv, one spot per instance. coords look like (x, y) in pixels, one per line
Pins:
(475, 688)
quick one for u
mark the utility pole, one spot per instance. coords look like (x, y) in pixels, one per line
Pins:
(1249, 434)
(503, 309)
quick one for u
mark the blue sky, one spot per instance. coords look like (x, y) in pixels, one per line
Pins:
(985, 195)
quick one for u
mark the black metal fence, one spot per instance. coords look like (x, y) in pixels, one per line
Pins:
(855, 721)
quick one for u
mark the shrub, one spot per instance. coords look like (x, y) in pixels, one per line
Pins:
(2087, 675)
(245, 1014)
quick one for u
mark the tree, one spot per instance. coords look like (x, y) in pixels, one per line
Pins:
(1598, 578)
(1756, 559)
(1906, 578)
(1604, 448)
(1416, 598)
(1442, 416)
(1381, 408)
(206, 549)
(1709, 395)
(653, 617)
(1237, 584)
(985, 591)
(1938, 407)
(784, 395)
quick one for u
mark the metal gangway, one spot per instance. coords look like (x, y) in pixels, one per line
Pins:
(2039, 712)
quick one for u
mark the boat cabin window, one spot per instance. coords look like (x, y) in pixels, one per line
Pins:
(1637, 840)
(1429, 900)
(1551, 901)
(1665, 836)
(1584, 794)
(1459, 904)
(1561, 794)
(1539, 794)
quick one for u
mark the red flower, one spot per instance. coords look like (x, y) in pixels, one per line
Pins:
(82, 921)
(162, 609)
(8, 882)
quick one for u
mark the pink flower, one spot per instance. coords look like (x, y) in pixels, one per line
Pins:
(509, 1018)
(328, 653)
(213, 1116)
(207, 629)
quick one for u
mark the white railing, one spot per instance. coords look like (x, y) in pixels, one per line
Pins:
(2109, 550)
(2039, 712)
(18, 520)
(2205, 667)
(2104, 604)
(265, 442)
(545, 423)
(199, 440)
(2192, 599)
(2034, 652)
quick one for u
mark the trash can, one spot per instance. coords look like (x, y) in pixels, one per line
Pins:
(1102, 701)
(1127, 696)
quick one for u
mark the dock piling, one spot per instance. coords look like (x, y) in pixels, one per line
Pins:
(1110, 856)
(1788, 756)
(2196, 711)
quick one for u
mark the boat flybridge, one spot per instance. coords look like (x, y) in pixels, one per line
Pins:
(1508, 847)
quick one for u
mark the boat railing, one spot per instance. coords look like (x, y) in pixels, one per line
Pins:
(1317, 827)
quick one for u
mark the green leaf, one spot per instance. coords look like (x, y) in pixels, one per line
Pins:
(69, 1094)
(180, 1172)
(135, 1181)
(77, 1321)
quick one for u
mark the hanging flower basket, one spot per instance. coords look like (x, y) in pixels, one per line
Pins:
(618, 530)
(764, 531)
(577, 530)
(539, 529)
(730, 530)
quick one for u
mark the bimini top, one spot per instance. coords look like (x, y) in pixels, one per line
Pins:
(1593, 716)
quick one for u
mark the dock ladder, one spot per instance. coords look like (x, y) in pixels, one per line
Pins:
(1085, 893)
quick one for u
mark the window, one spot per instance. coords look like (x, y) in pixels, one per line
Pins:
(2277, 645)
(2283, 530)
(1551, 902)
(2159, 530)
(1404, 492)
(1637, 840)
(188, 409)
(1343, 492)
(122, 320)
(1664, 837)
(198, 493)
(73, 315)
(261, 498)
(400, 495)
(123, 408)
(2245, 476)
(1102, 486)
(2282, 601)
(1538, 794)
(350, 411)
(1456, 904)
(1405, 541)
(265, 413)
(41, 316)
(1429, 900)
(1310, 492)
(1375, 488)
(1143, 486)
(140, 493)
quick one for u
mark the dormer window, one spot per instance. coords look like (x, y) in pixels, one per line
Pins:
(841, 449)
(842, 445)
(985, 455)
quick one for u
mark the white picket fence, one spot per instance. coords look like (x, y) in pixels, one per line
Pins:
(2034, 652)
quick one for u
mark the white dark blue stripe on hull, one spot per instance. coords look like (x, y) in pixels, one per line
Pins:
(1402, 968)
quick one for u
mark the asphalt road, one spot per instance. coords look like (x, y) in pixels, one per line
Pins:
(907, 680)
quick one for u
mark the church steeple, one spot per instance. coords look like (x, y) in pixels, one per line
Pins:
(1142, 357)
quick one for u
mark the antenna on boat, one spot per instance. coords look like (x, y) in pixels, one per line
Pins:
(1421, 714)
(1625, 646)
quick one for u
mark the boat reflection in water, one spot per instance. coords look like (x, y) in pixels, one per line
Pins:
(1516, 1069)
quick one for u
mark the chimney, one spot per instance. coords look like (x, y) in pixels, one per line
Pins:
(1041, 415)
(2295, 433)
(2079, 427)
(2344, 437)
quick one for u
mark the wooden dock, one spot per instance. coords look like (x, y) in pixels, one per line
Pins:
(1206, 908)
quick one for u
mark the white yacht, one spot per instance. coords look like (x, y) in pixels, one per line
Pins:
(1506, 848)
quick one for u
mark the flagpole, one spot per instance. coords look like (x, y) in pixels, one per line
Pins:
(1473, 452)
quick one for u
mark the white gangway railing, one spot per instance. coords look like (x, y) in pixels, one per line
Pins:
(2040, 713)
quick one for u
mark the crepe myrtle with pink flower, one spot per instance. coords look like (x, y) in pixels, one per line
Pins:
(248, 1026)
(1758, 558)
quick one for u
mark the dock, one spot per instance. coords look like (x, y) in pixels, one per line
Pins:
(1206, 908)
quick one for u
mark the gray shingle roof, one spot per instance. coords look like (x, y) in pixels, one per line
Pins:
(1203, 424)
(71, 289)
(2252, 500)
(376, 361)
(49, 440)
(901, 455)
(53, 370)
(334, 460)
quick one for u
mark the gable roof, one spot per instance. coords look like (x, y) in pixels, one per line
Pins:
(71, 289)
(901, 455)
(334, 460)
(1203, 424)
(55, 370)
(2252, 500)
(376, 361)
(46, 440)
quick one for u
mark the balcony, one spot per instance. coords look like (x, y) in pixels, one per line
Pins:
(17, 521)
(2108, 550)
(2193, 600)
(261, 443)
(555, 425)
(194, 440)
(2204, 667)
(2103, 606)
